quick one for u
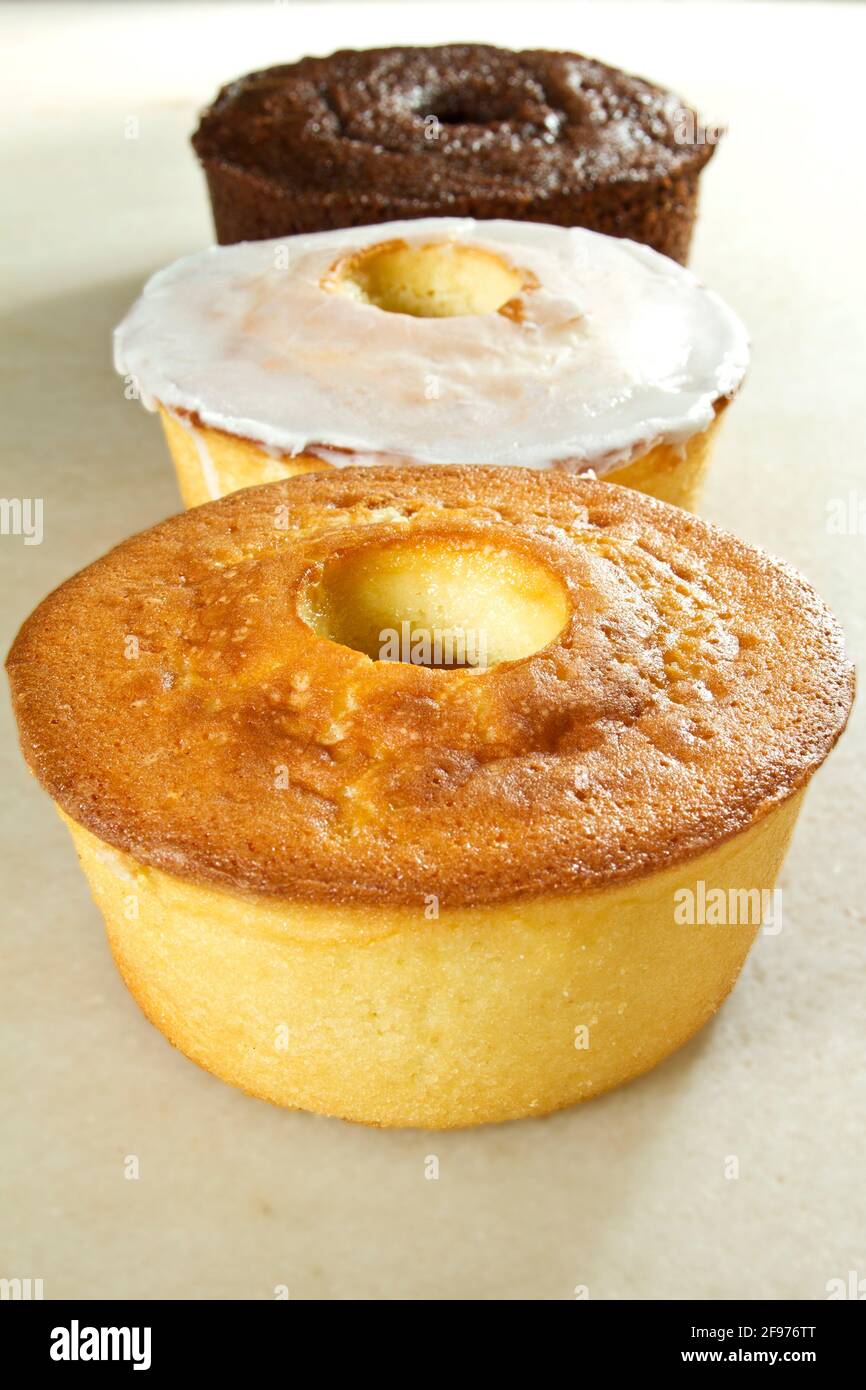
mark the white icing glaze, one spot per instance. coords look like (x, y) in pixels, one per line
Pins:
(618, 348)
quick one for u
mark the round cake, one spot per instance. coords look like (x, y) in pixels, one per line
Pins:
(463, 130)
(390, 784)
(434, 342)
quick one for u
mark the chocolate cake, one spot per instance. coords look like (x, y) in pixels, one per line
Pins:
(461, 130)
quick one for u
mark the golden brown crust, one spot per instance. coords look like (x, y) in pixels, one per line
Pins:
(696, 683)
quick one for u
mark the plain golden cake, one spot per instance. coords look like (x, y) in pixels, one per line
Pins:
(444, 341)
(389, 781)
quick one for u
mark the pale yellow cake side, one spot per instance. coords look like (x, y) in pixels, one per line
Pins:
(400, 1016)
(210, 463)
(671, 472)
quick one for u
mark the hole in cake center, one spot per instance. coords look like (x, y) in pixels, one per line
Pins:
(441, 279)
(443, 604)
(458, 117)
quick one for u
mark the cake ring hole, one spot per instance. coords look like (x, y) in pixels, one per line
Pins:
(448, 605)
(457, 116)
(440, 279)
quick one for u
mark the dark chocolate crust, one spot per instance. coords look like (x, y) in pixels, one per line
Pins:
(464, 130)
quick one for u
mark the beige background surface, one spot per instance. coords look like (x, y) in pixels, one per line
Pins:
(627, 1195)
